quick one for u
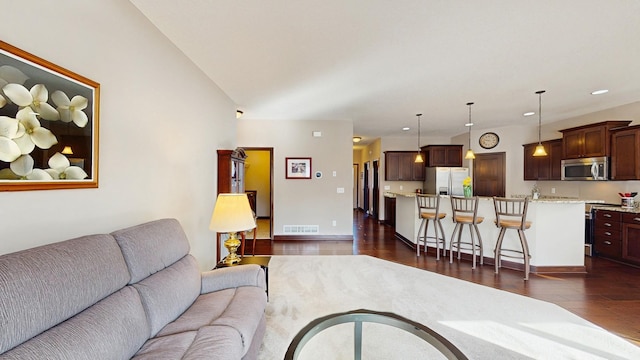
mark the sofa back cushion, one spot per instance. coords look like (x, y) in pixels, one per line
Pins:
(46, 285)
(166, 276)
(169, 293)
(152, 246)
(114, 328)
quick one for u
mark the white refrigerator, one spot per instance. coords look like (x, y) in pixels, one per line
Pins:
(444, 180)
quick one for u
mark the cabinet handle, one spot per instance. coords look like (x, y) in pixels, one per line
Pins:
(607, 224)
(607, 215)
(607, 242)
(607, 233)
(636, 219)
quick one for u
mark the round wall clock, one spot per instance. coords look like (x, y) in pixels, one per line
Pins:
(489, 140)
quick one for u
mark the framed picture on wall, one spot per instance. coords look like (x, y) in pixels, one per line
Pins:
(48, 124)
(298, 168)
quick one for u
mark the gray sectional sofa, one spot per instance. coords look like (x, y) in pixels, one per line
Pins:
(135, 293)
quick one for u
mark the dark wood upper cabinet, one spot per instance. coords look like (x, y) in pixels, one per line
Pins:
(401, 166)
(543, 167)
(443, 155)
(231, 171)
(625, 153)
(591, 140)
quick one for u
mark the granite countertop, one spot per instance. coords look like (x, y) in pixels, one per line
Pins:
(633, 210)
(542, 199)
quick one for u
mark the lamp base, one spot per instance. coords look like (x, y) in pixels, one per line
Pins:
(232, 244)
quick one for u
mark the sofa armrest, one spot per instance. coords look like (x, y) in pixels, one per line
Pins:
(231, 277)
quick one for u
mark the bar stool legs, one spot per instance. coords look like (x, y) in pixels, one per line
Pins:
(525, 251)
(475, 247)
(438, 236)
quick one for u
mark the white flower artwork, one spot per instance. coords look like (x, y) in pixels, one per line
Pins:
(47, 113)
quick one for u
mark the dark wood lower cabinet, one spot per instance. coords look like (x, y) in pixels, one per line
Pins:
(608, 234)
(631, 238)
(617, 236)
(390, 211)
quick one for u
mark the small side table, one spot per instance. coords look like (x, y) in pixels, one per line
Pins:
(263, 261)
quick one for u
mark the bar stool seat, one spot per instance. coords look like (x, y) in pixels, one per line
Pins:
(465, 212)
(512, 214)
(429, 211)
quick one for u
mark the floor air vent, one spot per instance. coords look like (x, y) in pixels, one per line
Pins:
(301, 229)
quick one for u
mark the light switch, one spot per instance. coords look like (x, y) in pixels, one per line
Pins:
(340, 190)
(335, 173)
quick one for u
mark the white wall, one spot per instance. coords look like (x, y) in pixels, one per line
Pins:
(314, 201)
(161, 122)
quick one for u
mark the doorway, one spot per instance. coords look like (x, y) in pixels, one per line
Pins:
(356, 189)
(259, 182)
(365, 188)
(489, 173)
(376, 191)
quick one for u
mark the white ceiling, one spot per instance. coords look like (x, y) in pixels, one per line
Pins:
(379, 62)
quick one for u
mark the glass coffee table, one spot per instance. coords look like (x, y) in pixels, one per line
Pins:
(435, 344)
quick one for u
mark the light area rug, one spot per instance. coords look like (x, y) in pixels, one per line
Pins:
(484, 323)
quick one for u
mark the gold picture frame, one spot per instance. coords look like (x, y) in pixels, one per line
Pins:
(51, 116)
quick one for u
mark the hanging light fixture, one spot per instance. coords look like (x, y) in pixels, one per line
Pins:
(540, 151)
(469, 155)
(419, 158)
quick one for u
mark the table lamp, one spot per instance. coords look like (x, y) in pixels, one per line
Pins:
(231, 214)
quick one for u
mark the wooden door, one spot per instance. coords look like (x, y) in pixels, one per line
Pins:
(489, 174)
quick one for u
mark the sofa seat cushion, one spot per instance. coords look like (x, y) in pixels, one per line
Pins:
(209, 342)
(114, 328)
(240, 309)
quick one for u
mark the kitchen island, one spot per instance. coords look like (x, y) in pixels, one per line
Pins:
(556, 236)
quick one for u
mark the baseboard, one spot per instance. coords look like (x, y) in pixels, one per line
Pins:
(313, 237)
(505, 264)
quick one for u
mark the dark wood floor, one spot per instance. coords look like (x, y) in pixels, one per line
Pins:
(608, 295)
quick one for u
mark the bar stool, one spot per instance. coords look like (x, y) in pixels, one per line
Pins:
(512, 214)
(429, 210)
(465, 212)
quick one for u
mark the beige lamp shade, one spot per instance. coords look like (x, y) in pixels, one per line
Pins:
(232, 213)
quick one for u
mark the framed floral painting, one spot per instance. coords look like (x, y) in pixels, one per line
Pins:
(48, 124)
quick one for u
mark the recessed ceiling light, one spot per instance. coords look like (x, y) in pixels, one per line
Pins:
(357, 139)
(406, 128)
(529, 113)
(599, 92)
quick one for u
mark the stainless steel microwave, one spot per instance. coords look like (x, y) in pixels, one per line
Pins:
(595, 168)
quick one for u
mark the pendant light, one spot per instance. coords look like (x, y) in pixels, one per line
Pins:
(470, 155)
(419, 158)
(540, 151)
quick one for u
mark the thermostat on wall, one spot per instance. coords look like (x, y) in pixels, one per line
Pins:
(318, 174)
